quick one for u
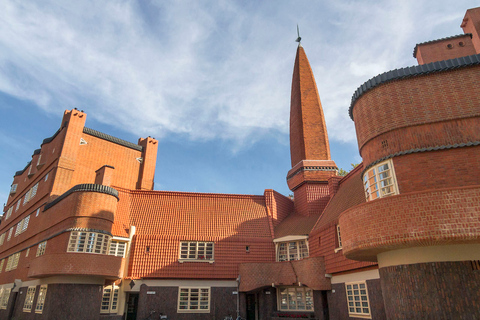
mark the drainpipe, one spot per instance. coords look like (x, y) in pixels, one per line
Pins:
(238, 296)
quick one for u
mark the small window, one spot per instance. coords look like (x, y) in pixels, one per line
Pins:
(41, 299)
(449, 46)
(89, 242)
(9, 213)
(292, 250)
(10, 234)
(13, 188)
(196, 251)
(2, 238)
(193, 300)
(41, 248)
(117, 248)
(1, 264)
(46, 176)
(379, 181)
(39, 159)
(339, 237)
(12, 261)
(27, 253)
(18, 204)
(357, 298)
(461, 44)
(27, 305)
(109, 299)
(37, 212)
(295, 299)
(4, 296)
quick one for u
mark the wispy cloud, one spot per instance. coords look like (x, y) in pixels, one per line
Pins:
(202, 69)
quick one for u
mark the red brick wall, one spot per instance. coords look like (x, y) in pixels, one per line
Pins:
(448, 290)
(278, 206)
(471, 24)
(441, 96)
(443, 216)
(311, 198)
(445, 49)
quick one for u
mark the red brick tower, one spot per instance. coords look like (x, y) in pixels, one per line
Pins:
(309, 148)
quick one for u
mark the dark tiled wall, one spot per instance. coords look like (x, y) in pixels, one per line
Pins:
(337, 302)
(439, 290)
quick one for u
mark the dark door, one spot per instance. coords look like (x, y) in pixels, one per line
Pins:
(250, 306)
(325, 305)
(132, 305)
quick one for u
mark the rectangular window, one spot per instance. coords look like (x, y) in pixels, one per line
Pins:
(4, 296)
(339, 237)
(117, 248)
(28, 252)
(109, 299)
(379, 181)
(292, 250)
(194, 250)
(357, 298)
(1, 264)
(18, 204)
(89, 242)
(37, 212)
(2, 238)
(195, 300)
(39, 159)
(10, 234)
(27, 197)
(27, 306)
(13, 188)
(12, 261)
(295, 298)
(41, 248)
(33, 191)
(9, 213)
(41, 298)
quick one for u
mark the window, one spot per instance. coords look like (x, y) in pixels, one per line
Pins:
(357, 298)
(27, 196)
(379, 181)
(41, 248)
(9, 213)
(37, 212)
(12, 261)
(194, 300)
(117, 248)
(46, 176)
(41, 298)
(27, 306)
(193, 250)
(292, 250)
(13, 188)
(39, 159)
(89, 242)
(10, 234)
(109, 299)
(339, 237)
(22, 225)
(295, 298)
(18, 204)
(1, 264)
(30, 194)
(2, 238)
(28, 252)
(4, 296)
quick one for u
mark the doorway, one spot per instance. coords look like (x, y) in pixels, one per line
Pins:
(132, 306)
(251, 306)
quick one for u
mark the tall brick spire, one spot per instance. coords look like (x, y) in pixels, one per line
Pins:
(309, 147)
(308, 132)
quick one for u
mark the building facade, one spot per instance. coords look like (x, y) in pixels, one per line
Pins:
(85, 236)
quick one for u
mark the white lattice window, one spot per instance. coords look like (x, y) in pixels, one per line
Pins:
(41, 298)
(22, 225)
(12, 261)
(379, 181)
(195, 300)
(18, 204)
(13, 188)
(27, 305)
(339, 237)
(117, 248)
(357, 299)
(295, 299)
(33, 191)
(10, 234)
(292, 250)
(27, 196)
(4, 296)
(1, 264)
(89, 242)
(109, 299)
(41, 248)
(9, 213)
(196, 251)
(2, 238)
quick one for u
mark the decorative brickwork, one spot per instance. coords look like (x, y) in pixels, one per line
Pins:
(439, 290)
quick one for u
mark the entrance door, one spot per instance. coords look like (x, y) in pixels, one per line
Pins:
(132, 306)
(251, 306)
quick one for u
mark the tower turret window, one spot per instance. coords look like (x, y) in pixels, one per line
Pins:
(379, 181)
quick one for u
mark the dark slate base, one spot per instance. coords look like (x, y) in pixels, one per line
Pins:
(440, 290)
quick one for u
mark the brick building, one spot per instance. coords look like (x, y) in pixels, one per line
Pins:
(85, 236)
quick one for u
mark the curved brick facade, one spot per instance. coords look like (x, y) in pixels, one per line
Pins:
(445, 216)
(410, 113)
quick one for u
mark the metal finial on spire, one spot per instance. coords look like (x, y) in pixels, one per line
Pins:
(298, 34)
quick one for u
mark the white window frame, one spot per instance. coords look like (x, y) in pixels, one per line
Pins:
(88, 242)
(9, 213)
(283, 248)
(190, 299)
(28, 304)
(13, 188)
(2, 262)
(18, 204)
(42, 293)
(4, 297)
(2, 238)
(288, 299)
(358, 295)
(109, 302)
(373, 179)
(41, 248)
(10, 234)
(12, 262)
(117, 248)
(196, 251)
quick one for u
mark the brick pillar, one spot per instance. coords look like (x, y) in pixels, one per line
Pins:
(147, 169)
(104, 175)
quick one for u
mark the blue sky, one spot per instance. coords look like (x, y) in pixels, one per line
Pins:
(210, 79)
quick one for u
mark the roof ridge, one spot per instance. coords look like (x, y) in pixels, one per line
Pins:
(113, 139)
(413, 71)
(196, 194)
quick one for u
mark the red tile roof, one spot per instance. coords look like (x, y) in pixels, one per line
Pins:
(296, 224)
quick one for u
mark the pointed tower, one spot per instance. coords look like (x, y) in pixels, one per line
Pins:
(309, 148)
